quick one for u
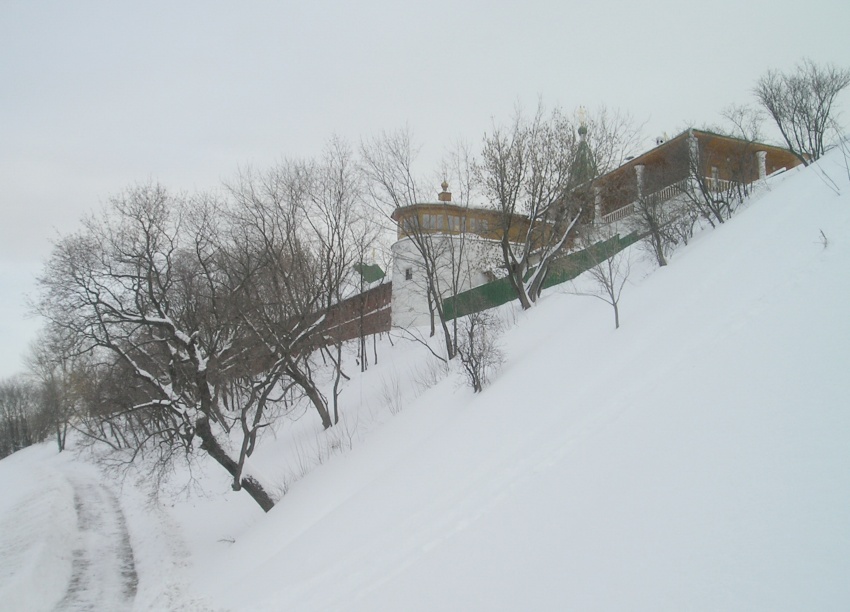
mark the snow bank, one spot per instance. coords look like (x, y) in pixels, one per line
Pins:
(37, 518)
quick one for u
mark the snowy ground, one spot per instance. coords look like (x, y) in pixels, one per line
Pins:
(697, 458)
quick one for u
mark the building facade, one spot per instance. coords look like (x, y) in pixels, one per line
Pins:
(690, 154)
(461, 247)
(455, 245)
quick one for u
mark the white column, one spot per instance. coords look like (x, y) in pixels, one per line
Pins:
(693, 153)
(762, 159)
(693, 159)
(639, 168)
(597, 204)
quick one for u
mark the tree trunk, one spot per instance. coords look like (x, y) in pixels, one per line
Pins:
(658, 243)
(337, 377)
(312, 392)
(516, 271)
(431, 312)
(535, 287)
(212, 447)
(61, 434)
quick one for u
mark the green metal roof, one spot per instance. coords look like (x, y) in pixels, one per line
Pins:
(369, 272)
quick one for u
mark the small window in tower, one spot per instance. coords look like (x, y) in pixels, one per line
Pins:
(408, 274)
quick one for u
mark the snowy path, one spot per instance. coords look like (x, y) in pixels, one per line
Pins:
(103, 572)
(70, 542)
(64, 539)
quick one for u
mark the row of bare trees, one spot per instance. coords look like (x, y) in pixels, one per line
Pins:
(23, 418)
(198, 316)
(182, 323)
(39, 404)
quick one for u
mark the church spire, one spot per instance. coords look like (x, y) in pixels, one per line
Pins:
(582, 122)
(583, 169)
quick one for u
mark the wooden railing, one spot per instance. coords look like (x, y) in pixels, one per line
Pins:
(670, 191)
(620, 213)
(721, 185)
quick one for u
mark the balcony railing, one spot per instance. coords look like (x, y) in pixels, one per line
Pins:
(668, 193)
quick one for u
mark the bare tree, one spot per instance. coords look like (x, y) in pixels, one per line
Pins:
(610, 270)
(392, 183)
(539, 173)
(57, 369)
(525, 175)
(140, 289)
(612, 136)
(718, 180)
(713, 204)
(343, 233)
(661, 223)
(213, 309)
(801, 103)
(458, 169)
(282, 273)
(745, 121)
(478, 348)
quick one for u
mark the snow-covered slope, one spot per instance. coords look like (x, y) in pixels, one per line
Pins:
(697, 458)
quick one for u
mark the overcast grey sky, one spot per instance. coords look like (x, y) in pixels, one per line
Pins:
(95, 96)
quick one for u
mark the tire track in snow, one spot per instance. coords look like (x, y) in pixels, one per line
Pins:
(103, 571)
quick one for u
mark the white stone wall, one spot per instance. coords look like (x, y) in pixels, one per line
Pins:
(409, 300)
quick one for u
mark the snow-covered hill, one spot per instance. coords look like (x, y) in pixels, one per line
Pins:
(697, 458)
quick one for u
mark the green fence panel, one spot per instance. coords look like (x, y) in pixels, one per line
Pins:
(562, 270)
